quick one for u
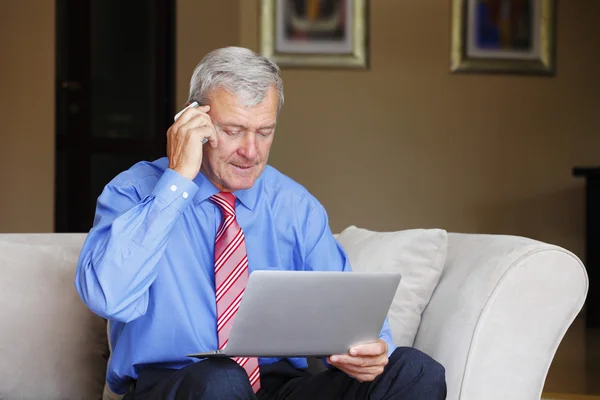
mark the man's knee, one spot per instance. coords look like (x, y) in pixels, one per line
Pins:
(221, 379)
(427, 371)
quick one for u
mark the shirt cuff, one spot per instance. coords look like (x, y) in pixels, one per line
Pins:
(175, 190)
(391, 345)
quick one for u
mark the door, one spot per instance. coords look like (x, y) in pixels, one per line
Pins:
(114, 96)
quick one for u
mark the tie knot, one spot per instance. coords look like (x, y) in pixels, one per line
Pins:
(225, 201)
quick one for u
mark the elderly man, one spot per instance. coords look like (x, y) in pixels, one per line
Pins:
(174, 240)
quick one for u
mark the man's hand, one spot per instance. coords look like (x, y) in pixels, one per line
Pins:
(364, 362)
(184, 140)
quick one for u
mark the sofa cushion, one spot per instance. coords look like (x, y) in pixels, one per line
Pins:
(51, 345)
(418, 254)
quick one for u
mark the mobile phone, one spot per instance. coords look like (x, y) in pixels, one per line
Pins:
(194, 105)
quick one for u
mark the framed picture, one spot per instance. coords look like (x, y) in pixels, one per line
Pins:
(510, 36)
(315, 33)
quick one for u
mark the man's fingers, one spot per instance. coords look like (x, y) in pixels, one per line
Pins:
(190, 113)
(360, 373)
(371, 349)
(199, 124)
(195, 125)
(213, 141)
(344, 359)
(194, 118)
(197, 121)
(357, 361)
(364, 362)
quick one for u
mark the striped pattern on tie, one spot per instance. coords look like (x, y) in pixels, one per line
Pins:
(231, 276)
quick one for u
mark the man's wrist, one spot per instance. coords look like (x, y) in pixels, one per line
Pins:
(175, 190)
(186, 173)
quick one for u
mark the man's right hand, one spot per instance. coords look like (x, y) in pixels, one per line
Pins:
(184, 141)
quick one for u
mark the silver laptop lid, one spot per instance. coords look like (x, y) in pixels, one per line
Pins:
(310, 313)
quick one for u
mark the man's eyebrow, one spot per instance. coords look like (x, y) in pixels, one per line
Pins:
(234, 125)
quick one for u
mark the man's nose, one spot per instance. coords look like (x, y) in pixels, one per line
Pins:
(248, 147)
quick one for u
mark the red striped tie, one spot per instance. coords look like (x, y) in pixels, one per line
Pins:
(231, 276)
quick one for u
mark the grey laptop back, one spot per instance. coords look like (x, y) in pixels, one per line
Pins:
(310, 313)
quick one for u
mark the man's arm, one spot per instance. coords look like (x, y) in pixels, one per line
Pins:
(323, 250)
(118, 261)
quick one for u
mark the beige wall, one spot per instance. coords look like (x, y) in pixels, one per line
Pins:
(407, 144)
(27, 116)
(202, 26)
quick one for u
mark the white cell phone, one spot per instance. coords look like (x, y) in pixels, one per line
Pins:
(194, 105)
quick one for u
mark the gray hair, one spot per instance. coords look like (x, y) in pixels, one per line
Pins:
(238, 70)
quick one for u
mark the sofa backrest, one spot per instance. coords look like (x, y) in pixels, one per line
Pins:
(51, 345)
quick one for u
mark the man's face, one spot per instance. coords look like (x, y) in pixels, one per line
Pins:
(245, 135)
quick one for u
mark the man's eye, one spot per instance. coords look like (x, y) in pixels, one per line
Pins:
(232, 133)
(265, 133)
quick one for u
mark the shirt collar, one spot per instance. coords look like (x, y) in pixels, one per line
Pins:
(205, 188)
(247, 197)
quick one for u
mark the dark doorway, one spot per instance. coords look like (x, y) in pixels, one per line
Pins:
(115, 82)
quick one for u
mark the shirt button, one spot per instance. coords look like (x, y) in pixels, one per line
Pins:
(173, 188)
(185, 195)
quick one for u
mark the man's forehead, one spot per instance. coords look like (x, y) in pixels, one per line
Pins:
(230, 111)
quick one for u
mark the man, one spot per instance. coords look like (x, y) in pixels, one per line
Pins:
(173, 242)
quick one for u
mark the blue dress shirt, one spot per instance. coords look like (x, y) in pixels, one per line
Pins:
(147, 263)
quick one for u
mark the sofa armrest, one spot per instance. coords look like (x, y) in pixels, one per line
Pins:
(498, 314)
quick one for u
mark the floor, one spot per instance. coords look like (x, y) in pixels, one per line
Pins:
(575, 369)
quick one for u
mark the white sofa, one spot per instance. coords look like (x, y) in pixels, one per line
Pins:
(495, 320)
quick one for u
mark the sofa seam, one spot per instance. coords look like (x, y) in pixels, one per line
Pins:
(514, 265)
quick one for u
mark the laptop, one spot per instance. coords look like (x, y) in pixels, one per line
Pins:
(308, 313)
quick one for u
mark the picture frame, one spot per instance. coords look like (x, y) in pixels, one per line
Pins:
(315, 33)
(503, 36)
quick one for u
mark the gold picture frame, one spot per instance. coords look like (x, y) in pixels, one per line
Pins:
(349, 49)
(492, 48)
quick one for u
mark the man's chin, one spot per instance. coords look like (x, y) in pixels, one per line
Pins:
(238, 183)
(243, 180)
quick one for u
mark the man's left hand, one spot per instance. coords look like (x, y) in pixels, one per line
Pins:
(364, 362)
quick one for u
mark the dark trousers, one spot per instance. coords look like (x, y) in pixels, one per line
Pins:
(410, 374)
